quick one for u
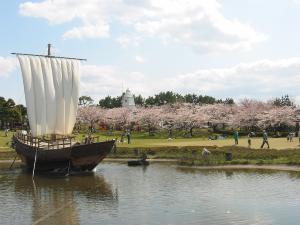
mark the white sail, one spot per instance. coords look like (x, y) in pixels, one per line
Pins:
(51, 88)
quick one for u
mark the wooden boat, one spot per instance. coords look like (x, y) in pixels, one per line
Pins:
(51, 86)
(61, 155)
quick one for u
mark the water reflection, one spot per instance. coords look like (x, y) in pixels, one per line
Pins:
(159, 194)
(55, 200)
(230, 172)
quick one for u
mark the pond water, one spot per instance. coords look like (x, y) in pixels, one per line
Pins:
(158, 194)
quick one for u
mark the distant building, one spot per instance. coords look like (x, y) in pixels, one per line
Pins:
(128, 100)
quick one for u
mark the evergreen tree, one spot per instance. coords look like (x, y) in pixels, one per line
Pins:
(139, 100)
(283, 101)
(11, 114)
(111, 102)
(85, 100)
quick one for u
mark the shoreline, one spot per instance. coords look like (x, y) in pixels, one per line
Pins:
(279, 167)
(276, 167)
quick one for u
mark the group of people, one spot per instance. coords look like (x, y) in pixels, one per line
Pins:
(250, 135)
(89, 139)
(126, 134)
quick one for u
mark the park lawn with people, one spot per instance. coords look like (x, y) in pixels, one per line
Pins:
(143, 140)
(138, 140)
(188, 151)
(275, 143)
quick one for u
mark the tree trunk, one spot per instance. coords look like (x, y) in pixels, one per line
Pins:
(214, 126)
(149, 130)
(191, 131)
(297, 129)
(170, 133)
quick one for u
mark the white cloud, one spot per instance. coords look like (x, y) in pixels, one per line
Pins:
(260, 79)
(198, 24)
(127, 40)
(99, 81)
(136, 76)
(7, 65)
(124, 40)
(296, 1)
(88, 31)
(139, 59)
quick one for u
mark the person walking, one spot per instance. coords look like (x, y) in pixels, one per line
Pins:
(249, 139)
(291, 134)
(128, 136)
(236, 137)
(6, 132)
(122, 137)
(265, 139)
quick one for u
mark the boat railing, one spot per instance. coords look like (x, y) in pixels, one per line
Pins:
(44, 142)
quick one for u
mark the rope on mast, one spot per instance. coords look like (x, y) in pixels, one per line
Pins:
(34, 163)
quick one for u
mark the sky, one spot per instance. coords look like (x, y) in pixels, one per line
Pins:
(221, 48)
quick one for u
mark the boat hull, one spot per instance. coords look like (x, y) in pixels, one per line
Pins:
(81, 157)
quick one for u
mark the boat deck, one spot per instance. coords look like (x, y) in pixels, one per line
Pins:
(45, 143)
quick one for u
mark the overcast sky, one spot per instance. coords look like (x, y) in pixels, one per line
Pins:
(222, 48)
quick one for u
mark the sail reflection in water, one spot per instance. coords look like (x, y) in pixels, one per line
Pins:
(58, 200)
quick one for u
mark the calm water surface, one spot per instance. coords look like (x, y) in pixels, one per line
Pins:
(159, 194)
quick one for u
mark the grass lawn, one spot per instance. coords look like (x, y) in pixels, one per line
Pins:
(143, 140)
(138, 140)
(5, 141)
(275, 143)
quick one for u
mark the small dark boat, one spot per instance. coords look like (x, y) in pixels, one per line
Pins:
(138, 163)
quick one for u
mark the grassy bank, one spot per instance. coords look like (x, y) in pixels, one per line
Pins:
(192, 155)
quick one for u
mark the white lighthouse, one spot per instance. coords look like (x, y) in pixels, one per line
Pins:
(128, 100)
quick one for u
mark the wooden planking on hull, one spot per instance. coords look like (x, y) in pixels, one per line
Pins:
(78, 157)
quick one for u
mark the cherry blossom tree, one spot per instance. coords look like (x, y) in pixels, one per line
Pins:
(149, 117)
(90, 115)
(247, 114)
(277, 117)
(188, 117)
(220, 114)
(118, 118)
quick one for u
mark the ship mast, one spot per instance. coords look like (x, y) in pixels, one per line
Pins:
(49, 49)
